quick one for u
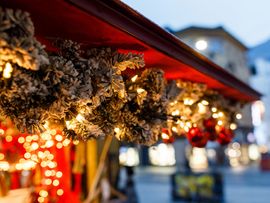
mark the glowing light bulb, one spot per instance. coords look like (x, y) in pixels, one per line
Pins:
(9, 138)
(59, 138)
(48, 181)
(140, 90)
(174, 129)
(2, 156)
(59, 145)
(2, 132)
(7, 71)
(188, 101)
(60, 192)
(220, 114)
(34, 146)
(59, 174)
(204, 102)
(214, 109)
(21, 140)
(80, 118)
(201, 45)
(238, 116)
(176, 112)
(165, 136)
(134, 78)
(233, 126)
(220, 122)
(41, 199)
(55, 182)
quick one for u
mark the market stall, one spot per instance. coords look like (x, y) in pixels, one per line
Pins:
(101, 75)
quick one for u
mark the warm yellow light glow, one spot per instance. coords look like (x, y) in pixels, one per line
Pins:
(59, 138)
(66, 142)
(238, 116)
(59, 174)
(201, 45)
(188, 101)
(49, 143)
(43, 164)
(34, 146)
(204, 102)
(41, 199)
(48, 181)
(76, 142)
(43, 193)
(201, 108)
(176, 112)
(9, 138)
(215, 115)
(165, 136)
(7, 71)
(35, 137)
(55, 182)
(21, 140)
(134, 78)
(59, 145)
(80, 118)
(28, 138)
(117, 130)
(174, 129)
(140, 90)
(4, 166)
(214, 109)
(186, 128)
(60, 192)
(2, 132)
(48, 173)
(220, 122)
(27, 155)
(220, 114)
(233, 126)
(2, 156)
(189, 124)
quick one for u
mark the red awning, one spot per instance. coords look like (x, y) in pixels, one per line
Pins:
(97, 23)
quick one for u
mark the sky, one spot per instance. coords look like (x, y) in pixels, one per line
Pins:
(248, 20)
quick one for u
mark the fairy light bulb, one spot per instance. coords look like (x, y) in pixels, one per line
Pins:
(60, 192)
(2, 156)
(7, 71)
(80, 118)
(204, 102)
(214, 109)
(238, 116)
(59, 174)
(174, 129)
(188, 101)
(220, 122)
(55, 183)
(176, 112)
(134, 78)
(140, 90)
(233, 126)
(165, 136)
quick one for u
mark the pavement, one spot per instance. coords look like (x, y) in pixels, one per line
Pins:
(241, 185)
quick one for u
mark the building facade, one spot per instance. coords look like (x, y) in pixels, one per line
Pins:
(259, 60)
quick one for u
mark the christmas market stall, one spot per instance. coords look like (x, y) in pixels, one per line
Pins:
(76, 71)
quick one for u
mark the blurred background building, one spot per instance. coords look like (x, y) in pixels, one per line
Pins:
(259, 61)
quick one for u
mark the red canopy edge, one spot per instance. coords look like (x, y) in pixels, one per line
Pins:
(112, 23)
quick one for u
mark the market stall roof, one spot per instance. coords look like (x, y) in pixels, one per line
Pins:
(96, 23)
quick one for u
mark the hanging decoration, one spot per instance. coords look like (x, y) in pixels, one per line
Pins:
(84, 93)
(204, 115)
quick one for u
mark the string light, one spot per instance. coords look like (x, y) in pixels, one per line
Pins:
(140, 90)
(134, 78)
(7, 71)
(214, 109)
(233, 126)
(238, 116)
(176, 112)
